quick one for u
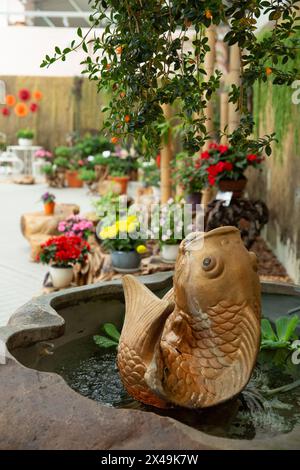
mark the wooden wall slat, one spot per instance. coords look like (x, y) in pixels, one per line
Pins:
(55, 118)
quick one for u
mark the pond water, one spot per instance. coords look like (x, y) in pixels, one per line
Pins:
(92, 372)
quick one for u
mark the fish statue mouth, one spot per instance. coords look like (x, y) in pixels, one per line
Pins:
(197, 346)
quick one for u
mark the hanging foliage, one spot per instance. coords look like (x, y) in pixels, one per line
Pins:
(278, 100)
(152, 52)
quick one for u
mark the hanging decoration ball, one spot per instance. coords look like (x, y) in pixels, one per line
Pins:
(24, 94)
(21, 109)
(5, 112)
(34, 107)
(10, 100)
(37, 95)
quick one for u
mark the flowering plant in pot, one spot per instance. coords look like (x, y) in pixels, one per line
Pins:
(121, 178)
(76, 225)
(168, 229)
(25, 137)
(225, 167)
(49, 203)
(61, 253)
(125, 248)
(190, 176)
(44, 155)
(73, 173)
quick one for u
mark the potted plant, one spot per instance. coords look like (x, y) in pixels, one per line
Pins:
(189, 174)
(121, 178)
(72, 174)
(61, 253)
(25, 137)
(125, 250)
(76, 225)
(87, 176)
(225, 167)
(49, 203)
(169, 229)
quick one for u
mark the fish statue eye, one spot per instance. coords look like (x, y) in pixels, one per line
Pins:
(208, 263)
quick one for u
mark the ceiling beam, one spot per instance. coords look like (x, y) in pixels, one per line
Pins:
(43, 14)
(77, 8)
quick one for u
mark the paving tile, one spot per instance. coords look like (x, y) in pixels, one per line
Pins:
(21, 279)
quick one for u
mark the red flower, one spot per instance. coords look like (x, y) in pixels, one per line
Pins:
(5, 112)
(24, 94)
(220, 166)
(33, 107)
(211, 180)
(228, 166)
(212, 170)
(213, 145)
(252, 158)
(205, 155)
(223, 148)
(80, 162)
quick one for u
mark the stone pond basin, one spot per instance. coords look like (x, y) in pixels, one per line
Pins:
(39, 410)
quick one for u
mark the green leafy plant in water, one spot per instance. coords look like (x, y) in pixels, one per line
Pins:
(284, 334)
(111, 339)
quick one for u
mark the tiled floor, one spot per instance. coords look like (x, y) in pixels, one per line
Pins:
(21, 279)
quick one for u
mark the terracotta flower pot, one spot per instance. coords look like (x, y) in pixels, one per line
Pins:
(61, 276)
(122, 181)
(73, 180)
(49, 208)
(235, 186)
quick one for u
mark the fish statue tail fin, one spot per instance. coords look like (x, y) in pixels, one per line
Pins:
(145, 318)
(145, 314)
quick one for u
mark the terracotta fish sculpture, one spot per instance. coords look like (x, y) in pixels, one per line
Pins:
(197, 346)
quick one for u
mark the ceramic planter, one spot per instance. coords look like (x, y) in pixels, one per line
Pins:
(73, 180)
(122, 181)
(169, 253)
(49, 208)
(125, 261)
(25, 142)
(237, 187)
(61, 276)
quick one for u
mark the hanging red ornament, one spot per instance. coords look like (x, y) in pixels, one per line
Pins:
(33, 107)
(24, 94)
(5, 112)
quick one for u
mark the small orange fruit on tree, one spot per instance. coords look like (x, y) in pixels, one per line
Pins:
(114, 140)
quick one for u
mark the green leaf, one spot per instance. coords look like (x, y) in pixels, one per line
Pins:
(269, 344)
(79, 32)
(267, 332)
(104, 342)
(286, 326)
(111, 330)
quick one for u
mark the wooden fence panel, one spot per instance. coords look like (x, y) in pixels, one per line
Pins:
(60, 110)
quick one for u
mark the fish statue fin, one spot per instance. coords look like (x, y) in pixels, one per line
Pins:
(144, 318)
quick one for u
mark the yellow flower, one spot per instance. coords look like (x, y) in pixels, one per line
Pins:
(122, 225)
(132, 227)
(141, 249)
(109, 232)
